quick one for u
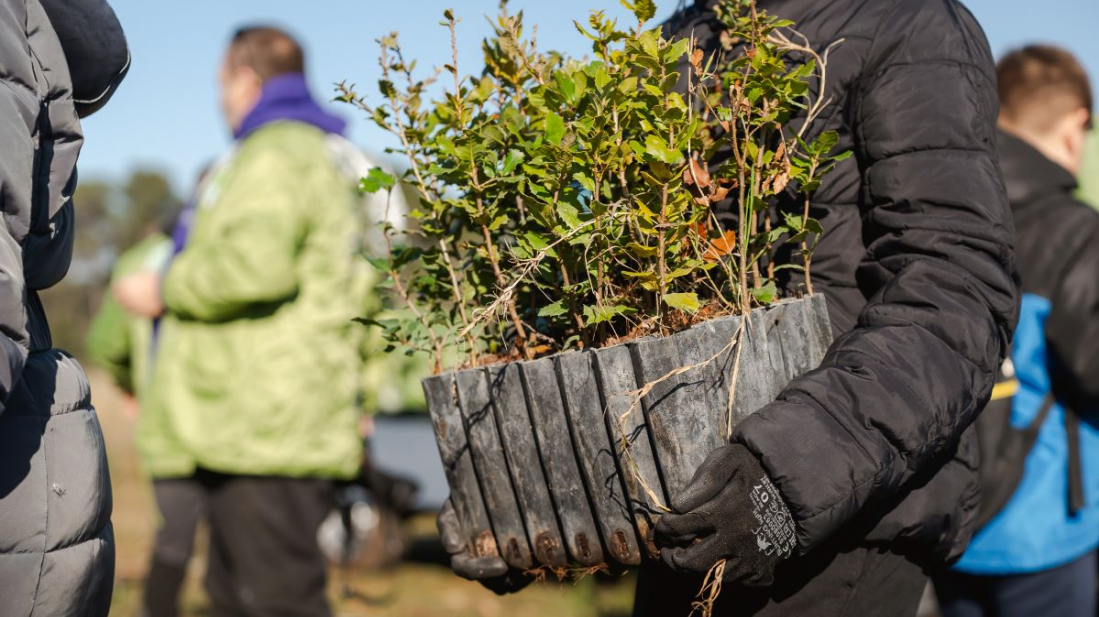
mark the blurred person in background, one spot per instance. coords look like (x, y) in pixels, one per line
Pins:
(1036, 555)
(117, 342)
(60, 60)
(124, 345)
(258, 357)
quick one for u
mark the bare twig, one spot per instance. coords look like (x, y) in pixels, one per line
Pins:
(505, 295)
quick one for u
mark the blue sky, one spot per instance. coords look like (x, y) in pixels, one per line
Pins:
(166, 117)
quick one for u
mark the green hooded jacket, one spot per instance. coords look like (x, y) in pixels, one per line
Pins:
(259, 359)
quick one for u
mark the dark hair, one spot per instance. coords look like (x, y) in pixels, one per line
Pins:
(1040, 84)
(268, 51)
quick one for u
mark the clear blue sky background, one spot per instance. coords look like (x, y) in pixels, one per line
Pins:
(166, 116)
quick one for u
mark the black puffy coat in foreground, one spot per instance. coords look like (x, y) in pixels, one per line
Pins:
(918, 268)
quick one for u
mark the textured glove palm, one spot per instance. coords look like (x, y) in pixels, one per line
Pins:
(491, 572)
(732, 511)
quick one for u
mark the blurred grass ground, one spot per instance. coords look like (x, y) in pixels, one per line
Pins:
(407, 590)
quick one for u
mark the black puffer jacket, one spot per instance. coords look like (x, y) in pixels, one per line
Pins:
(919, 272)
(1057, 237)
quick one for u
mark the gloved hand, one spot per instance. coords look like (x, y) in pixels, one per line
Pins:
(732, 511)
(492, 572)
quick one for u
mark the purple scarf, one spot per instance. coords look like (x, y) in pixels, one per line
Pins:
(287, 97)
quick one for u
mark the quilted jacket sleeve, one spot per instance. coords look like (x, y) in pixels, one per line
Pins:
(249, 259)
(895, 394)
(16, 160)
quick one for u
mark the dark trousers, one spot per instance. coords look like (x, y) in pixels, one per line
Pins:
(264, 559)
(853, 583)
(1065, 591)
(181, 503)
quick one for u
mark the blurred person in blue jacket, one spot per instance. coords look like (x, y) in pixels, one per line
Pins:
(1036, 555)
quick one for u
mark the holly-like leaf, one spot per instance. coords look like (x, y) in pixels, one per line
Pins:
(643, 10)
(566, 85)
(512, 160)
(555, 128)
(599, 314)
(655, 147)
(376, 180)
(765, 294)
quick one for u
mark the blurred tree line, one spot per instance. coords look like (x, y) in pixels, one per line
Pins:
(110, 218)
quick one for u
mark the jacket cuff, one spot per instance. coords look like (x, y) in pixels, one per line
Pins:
(817, 472)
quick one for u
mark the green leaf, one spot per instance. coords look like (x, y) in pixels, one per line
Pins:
(583, 31)
(602, 78)
(566, 85)
(569, 214)
(376, 180)
(553, 310)
(378, 263)
(766, 294)
(655, 147)
(676, 50)
(643, 10)
(555, 128)
(644, 276)
(650, 44)
(827, 141)
(642, 251)
(687, 302)
(512, 160)
(599, 314)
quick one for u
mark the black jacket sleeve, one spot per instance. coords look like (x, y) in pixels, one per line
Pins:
(95, 49)
(894, 395)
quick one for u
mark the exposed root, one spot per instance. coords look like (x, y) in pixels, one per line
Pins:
(542, 573)
(580, 573)
(711, 589)
(575, 574)
(736, 376)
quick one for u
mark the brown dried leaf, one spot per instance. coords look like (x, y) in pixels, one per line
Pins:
(697, 175)
(696, 61)
(720, 247)
(782, 162)
(779, 182)
(780, 152)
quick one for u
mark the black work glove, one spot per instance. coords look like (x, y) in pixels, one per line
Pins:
(729, 511)
(493, 573)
